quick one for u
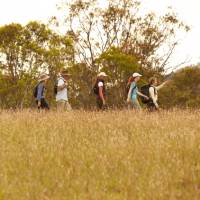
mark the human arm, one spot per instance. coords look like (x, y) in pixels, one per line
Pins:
(142, 95)
(101, 95)
(162, 85)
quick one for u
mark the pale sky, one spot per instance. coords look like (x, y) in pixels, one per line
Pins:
(22, 11)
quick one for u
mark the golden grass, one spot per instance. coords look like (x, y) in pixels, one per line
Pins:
(100, 156)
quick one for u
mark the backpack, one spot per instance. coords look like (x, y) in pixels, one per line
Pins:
(96, 87)
(127, 88)
(35, 91)
(145, 91)
(55, 89)
(128, 85)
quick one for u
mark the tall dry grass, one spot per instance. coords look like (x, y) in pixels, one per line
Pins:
(115, 155)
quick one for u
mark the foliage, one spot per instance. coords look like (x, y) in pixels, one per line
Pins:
(80, 86)
(184, 89)
(120, 24)
(114, 38)
(25, 53)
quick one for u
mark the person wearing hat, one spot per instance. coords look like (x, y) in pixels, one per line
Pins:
(62, 92)
(40, 92)
(133, 92)
(152, 105)
(100, 90)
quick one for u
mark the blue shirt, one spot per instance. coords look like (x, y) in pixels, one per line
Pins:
(40, 91)
(134, 90)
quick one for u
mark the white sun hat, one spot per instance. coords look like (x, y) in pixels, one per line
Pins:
(43, 77)
(102, 74)
(136, 75)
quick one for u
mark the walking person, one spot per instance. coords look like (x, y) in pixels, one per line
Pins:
(133, 92)
(62, 92)
(39, 92)
(100, 90)
(152, 105)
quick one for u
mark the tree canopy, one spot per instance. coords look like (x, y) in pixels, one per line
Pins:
(116, 38)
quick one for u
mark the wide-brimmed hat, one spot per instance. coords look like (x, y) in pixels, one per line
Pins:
(43, 77)
(102, 74)
(136, 75)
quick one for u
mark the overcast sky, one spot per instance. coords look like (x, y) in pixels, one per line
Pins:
(23, 11)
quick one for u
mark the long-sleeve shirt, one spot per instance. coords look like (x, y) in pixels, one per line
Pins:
(40, 91)
(153, 93)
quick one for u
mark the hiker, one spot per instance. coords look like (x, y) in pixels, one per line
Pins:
(133, 92)
(100, 90)
(152, 104)
(61, 92)
(39, 92)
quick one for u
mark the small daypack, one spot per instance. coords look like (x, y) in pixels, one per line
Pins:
(56, 86)
(128, 85)
(96, 87)
(35, 91)
(127, 88)
(145, 91)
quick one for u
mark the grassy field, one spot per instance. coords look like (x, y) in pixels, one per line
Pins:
(100, 156)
